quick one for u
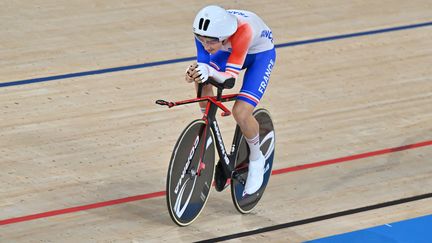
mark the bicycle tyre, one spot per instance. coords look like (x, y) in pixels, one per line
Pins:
(187, 192)
(245, 204)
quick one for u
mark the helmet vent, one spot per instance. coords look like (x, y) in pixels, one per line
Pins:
(200, 23)
(206, 23)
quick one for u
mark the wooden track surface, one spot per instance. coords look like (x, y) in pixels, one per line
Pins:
(94, 138)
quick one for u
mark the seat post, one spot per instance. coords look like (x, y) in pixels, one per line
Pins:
(219, 93)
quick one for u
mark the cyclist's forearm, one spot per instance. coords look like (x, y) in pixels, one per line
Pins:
(220, 77)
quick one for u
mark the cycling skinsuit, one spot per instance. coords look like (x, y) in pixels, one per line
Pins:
(251, 48)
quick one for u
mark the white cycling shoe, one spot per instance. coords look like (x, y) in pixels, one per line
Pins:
(255, 175)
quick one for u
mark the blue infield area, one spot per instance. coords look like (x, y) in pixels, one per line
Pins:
(417, 230)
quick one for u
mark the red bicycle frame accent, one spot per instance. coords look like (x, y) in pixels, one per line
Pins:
(209, 114)
(210, 99)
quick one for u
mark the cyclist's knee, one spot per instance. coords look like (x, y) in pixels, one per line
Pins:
(242, 112)
(206, 91)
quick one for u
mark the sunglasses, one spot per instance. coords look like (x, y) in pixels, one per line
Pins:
(207, 40)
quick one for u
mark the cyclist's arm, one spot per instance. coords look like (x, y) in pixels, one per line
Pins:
(240, 42)
(202, 55)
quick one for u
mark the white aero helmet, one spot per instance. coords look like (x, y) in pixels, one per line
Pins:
(215, 22)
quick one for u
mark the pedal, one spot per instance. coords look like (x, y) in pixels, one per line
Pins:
(239, 178)
(220, 178)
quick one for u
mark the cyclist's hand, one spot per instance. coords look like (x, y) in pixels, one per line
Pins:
(203, 73)
(191, 72)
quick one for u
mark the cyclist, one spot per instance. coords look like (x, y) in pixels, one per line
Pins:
(227, 42)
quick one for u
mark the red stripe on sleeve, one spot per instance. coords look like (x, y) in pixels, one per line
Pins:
(240, 42)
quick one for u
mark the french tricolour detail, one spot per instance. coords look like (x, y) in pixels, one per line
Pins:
(233, 69)
(249, 96)
(214, 65)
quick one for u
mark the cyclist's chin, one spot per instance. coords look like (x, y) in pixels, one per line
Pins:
(212, 50)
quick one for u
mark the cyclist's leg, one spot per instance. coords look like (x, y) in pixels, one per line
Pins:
(255, 82)
(206, 91)
(254, 85)
(242, 112)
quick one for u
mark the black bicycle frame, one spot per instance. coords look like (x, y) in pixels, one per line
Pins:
(213, 104)
(226, 160)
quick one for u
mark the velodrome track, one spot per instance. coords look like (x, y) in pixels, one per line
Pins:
(84, 150)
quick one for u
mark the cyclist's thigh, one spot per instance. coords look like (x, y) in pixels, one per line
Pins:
(257, 77)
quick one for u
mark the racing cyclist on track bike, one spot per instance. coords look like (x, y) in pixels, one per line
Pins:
(228, 41)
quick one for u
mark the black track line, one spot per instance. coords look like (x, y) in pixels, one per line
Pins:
(319, 218)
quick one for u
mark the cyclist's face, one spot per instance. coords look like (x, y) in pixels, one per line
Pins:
(210, 45)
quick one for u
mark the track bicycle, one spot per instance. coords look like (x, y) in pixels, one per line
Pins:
(192, 165)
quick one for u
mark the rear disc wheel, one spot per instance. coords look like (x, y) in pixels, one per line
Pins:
(246, 203)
